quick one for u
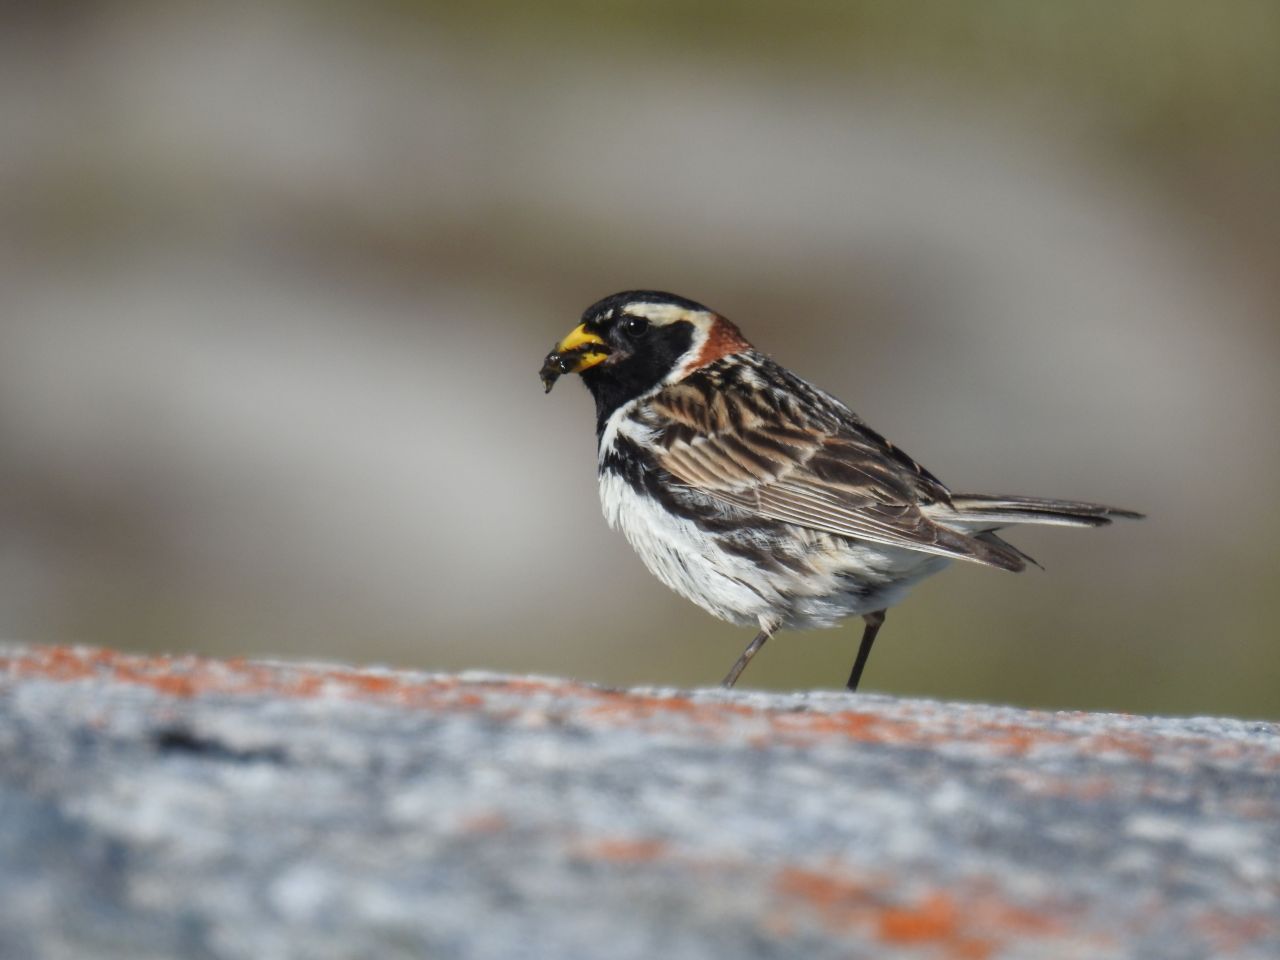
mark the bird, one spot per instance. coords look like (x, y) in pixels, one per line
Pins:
(758, 496)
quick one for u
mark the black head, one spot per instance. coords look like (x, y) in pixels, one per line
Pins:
(631, 342)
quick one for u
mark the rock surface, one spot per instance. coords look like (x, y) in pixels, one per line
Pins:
(183, 807)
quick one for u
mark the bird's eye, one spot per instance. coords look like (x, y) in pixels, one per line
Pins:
(634, 326)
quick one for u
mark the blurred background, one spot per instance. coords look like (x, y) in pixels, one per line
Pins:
(276, 280)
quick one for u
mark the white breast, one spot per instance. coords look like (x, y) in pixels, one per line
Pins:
(837, 579)
(682, 556)
(675, 551)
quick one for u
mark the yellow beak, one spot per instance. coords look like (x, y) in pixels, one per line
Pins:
(578, 351)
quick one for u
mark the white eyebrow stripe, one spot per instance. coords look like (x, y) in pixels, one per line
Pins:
(663, 312)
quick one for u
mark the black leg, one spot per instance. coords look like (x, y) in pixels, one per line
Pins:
(741, 664)
(874, 622)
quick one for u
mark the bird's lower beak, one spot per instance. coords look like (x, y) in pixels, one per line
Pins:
(580, 350)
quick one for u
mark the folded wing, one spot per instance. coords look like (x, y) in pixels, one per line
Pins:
(801, 457)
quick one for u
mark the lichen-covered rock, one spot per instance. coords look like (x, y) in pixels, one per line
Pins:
(162, 808)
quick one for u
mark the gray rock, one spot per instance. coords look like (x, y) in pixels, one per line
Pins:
(159, 808)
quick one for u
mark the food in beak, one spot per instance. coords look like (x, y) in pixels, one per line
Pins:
(559, 362)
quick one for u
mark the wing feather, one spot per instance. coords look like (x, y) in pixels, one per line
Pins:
(808, 461)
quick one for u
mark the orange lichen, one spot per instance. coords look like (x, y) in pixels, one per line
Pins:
(1229, 932)
(993, 913)
(831, 893)
(488, 822)
(933, 919)
(191, 676)
(966, 923)
(851, 725)
(62, 663)
(623, 849)
(763, 725)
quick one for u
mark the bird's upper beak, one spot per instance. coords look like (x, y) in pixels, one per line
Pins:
(578, 351)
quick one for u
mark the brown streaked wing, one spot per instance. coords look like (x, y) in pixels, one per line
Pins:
(731, 441)
(848, 513)
(810, 468)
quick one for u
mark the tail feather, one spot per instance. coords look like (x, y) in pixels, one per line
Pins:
(988, 536)
(995, 511)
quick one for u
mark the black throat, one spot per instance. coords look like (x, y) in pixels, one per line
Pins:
(617, 382)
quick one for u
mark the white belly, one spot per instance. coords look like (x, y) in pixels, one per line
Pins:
(683, 557)
(836, 579)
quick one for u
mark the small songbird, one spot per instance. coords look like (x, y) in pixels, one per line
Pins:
(764, 500)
